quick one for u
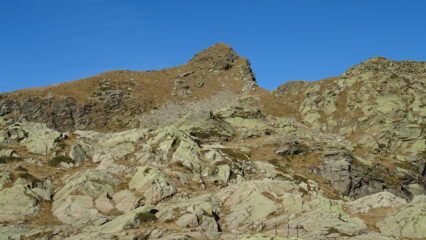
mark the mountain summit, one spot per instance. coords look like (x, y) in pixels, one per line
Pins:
(199, 151)
(117, 99)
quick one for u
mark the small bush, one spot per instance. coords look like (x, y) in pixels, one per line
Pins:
(10, 159)
(20, 169)
(148, 216)
(54, 162)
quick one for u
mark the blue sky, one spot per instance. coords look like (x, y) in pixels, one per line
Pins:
(43, 42)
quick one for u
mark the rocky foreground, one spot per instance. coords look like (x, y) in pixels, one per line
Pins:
(216, 157)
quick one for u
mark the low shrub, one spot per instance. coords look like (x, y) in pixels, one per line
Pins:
(54, 162)
(10, 159)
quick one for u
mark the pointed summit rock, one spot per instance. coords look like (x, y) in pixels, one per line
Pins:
(123, 99)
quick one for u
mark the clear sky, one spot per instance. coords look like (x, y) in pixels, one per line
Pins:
(43, 42)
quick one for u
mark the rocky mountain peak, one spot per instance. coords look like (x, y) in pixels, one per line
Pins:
(215, 52)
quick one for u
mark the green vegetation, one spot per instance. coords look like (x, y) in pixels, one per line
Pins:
(54, 162)
(10, 159)
(148, 216)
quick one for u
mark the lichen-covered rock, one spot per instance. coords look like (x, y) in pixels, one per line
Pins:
(125, 201)
(17, 203)
(378, 200)
(252, 201)
(77, 154)
(75, 200)
(128, 220)
(187, 220)
(152, 184)
(407, 222)
(77, 208)
(116, 145)
(206, 127)
(38, 138)
(328, 221)
(5, 178)
(104, 204)
(189, 211)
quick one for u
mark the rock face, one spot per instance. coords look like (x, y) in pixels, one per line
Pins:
(199, 151)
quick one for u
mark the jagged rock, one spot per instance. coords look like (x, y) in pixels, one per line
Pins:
(114, 145)
(33, 161)
(407, 222)
(104, 204)
(337, 167)
(206, 127)
(36, 137)
(199, 206)
(128, 220)
(5, 178)
(209, 224)
(378, 200)
(223, 173)
(108, 165)
(252, 201)
(125, 201)
(77, 154)
(328, 221)
(17, 203)
(152, 184)
(77, 207)
(69, 204)
(292, 148)
(187, 220)
(187, 153)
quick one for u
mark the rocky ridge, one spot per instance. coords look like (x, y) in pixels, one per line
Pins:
(213, 156)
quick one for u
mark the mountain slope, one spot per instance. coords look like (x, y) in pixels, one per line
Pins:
(213, 156)
(116, 99)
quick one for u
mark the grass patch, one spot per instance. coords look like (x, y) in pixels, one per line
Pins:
(54, 162)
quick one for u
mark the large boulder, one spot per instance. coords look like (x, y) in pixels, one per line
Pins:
(77, 208)
(378, 200)
(201, 211)
(326, 221)
(76, 199)
(253, 201)
(17, 203)
(114, 145)
(77, 153)
(36, 137)
(407, 222)
(152, 184)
